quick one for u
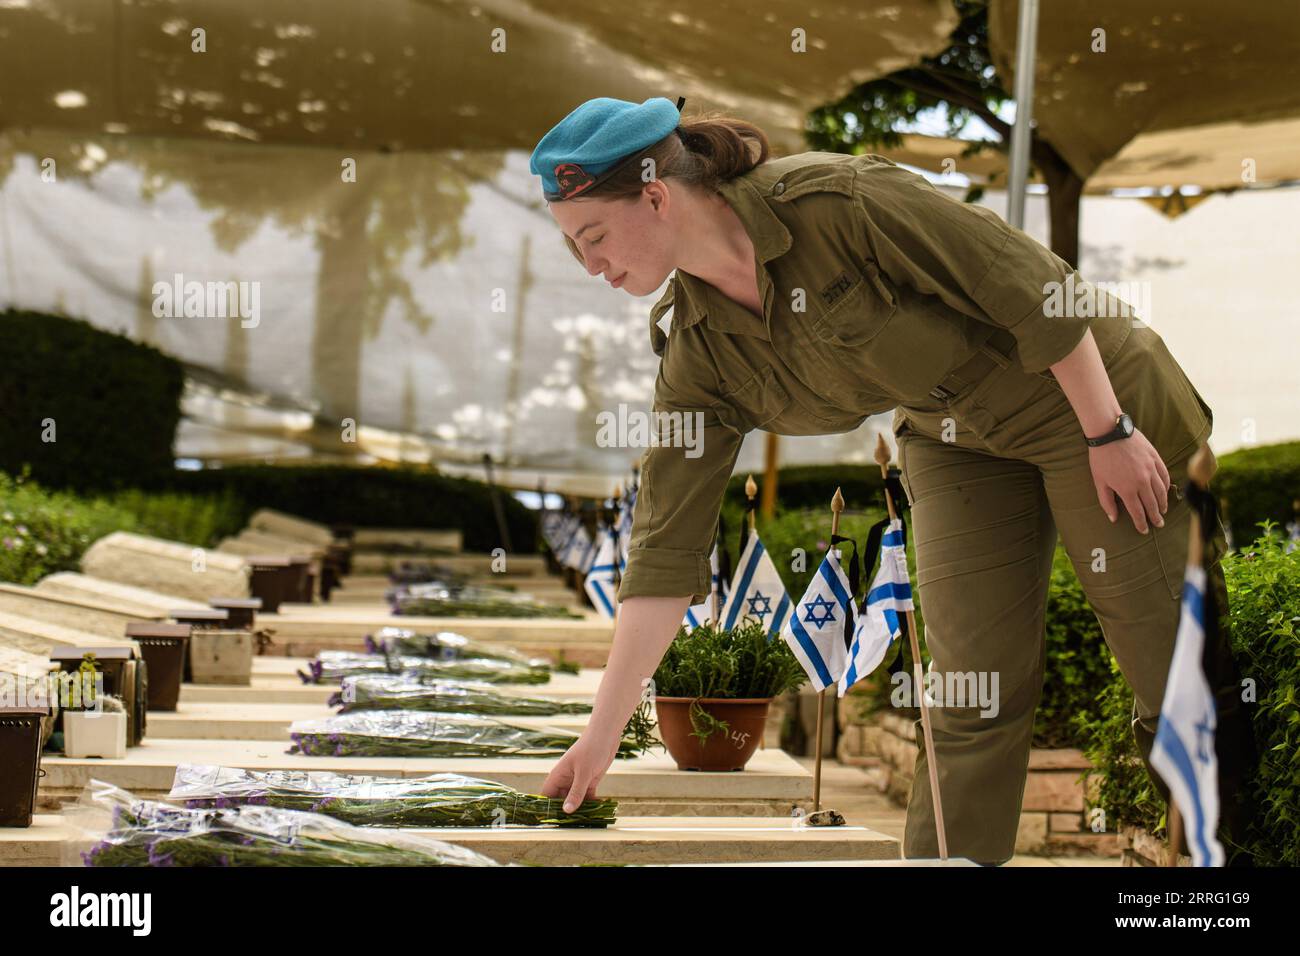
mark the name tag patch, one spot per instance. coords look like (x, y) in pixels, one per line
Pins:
(840, 285)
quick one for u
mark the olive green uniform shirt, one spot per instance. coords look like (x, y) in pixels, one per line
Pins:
(874, 285)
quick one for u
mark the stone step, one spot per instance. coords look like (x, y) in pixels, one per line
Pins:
(262, 691)
(650, 785)
(646, 840)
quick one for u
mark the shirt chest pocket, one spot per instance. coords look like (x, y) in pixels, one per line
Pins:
(756, 403)
(855, 315)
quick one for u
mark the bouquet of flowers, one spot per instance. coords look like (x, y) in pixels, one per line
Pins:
(439, 600)
(150, 833)
(398, 692)
(437, 800)
(332, 666)
(407, 733)
(426, 572)
(448, 645)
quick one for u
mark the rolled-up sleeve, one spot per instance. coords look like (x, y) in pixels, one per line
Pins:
(676, 513)
(968, 256)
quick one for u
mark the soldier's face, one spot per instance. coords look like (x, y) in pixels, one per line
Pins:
(627, 242)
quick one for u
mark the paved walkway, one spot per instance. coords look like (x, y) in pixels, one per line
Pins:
(846, 789)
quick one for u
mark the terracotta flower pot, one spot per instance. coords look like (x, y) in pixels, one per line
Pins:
(721, 750)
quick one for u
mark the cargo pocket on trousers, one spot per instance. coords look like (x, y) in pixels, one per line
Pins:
(1171, 542)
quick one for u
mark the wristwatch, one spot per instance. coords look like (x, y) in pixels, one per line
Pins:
(1123, 429)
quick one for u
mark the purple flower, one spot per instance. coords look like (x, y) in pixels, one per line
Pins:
(10, 544)
(89, 857)
(159, 859)
(223, 860)
(338, 751)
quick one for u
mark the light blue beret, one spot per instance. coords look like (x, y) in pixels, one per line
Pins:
(592, 143)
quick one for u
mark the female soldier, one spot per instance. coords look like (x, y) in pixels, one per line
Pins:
(813, 291)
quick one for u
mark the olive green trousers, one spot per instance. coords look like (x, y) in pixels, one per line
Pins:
(993, 474)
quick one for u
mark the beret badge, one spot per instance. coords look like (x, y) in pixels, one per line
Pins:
(572, 179)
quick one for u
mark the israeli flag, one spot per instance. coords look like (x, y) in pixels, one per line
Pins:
(624, 524)
(580, 550)
(600, 581)
(699, 613)
(588, 558)
(881, 620)
(823, 617)
(756, 591)
(553, 525)
(1183, 753)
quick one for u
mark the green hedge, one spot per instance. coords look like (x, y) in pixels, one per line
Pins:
(812, 486)
(1255, 485)
(403, 497)
(1264, 615)
(44, 531)
(115, 404)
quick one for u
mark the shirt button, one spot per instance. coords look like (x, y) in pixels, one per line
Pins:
(778, 189)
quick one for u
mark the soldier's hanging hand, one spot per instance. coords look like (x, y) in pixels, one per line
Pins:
(1132, 471)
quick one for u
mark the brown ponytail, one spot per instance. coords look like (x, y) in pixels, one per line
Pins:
(703, 151)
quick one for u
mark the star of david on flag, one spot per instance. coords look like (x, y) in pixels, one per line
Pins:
(1183, 753)
(880, 621)
(756, 591)
(821, 622)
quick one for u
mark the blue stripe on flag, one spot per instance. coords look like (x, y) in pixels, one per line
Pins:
(1172, 744)
(599, 588)
(779, 617)
(743, 587)
(806, 642)
(891, 589)
(1194, 601)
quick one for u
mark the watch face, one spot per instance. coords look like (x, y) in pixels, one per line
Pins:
(1126, 425)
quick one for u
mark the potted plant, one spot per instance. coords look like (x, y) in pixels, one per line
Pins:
(713, 689)
(98, 727)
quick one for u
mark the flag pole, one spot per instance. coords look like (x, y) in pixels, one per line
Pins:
(882, 459)
(1199, 471)
(837, 506)
(751, 491)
